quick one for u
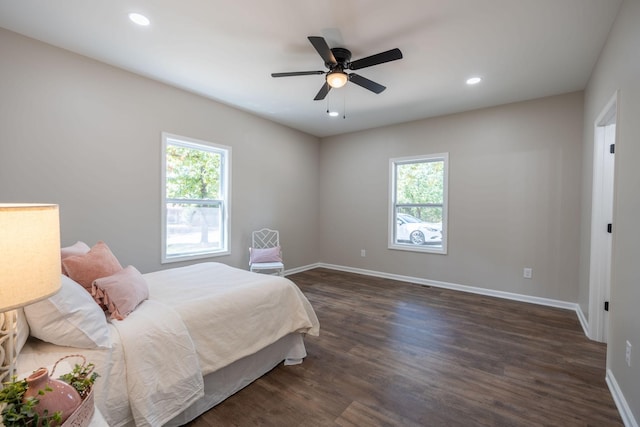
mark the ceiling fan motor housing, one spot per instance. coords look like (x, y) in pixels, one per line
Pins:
(342, 55)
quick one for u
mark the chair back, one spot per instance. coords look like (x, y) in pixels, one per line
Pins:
(265, 238)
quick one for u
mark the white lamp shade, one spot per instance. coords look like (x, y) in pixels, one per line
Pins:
(29, 253)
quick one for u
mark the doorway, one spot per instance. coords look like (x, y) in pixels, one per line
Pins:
(602, 221)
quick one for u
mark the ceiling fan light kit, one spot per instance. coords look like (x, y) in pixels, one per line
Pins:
(337, 60)
(337, 79)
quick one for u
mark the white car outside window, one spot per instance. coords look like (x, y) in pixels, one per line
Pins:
(414, 230)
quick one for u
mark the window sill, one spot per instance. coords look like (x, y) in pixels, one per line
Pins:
(439, 250)
(183, 258)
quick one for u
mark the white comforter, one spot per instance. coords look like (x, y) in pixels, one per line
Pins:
(163, 374)
(232, 313)
(198, 319)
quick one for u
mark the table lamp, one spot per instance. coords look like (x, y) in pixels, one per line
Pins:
(29, 268)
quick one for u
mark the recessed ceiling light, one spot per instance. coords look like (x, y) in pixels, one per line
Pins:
(139, 19)
(473, 80)
(333, 113)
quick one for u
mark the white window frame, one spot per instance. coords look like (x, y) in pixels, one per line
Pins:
(170, 139)
(444, 157)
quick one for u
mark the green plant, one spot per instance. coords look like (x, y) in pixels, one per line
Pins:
(81, 378)
(18, 413)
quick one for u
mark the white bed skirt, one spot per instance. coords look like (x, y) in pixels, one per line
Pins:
(223, 383)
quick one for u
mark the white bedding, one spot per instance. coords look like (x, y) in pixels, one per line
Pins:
(198, 319)
(163, 374)
(235, 313)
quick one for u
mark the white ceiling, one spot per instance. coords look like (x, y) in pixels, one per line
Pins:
(226, 51)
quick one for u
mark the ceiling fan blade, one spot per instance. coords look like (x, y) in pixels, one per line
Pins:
(366, 83)
(322, 93)
(297, 73)
(379, 58)
(320, 44)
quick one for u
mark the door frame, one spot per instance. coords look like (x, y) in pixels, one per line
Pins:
(601, 242)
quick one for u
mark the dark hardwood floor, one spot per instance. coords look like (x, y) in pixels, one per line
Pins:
(397, 354)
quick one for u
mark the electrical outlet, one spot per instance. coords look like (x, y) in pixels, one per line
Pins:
(627, 355)
(527, 273)
(363, 253)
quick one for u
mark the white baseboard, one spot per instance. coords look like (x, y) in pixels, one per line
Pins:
(623, 407)
(454, 286)
(301, 269)
(583, 320)
(463, 288)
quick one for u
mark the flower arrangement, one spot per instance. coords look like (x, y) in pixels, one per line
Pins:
(20, 410)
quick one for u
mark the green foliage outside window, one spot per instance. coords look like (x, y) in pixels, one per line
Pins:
(192, 173)
(421, 183)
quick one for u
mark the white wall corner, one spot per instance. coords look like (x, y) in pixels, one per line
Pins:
(621, 403)
(583, 321)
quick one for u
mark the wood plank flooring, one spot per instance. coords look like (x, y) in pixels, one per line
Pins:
(397, 354)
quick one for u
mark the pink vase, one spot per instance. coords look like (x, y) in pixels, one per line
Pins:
(62, 396)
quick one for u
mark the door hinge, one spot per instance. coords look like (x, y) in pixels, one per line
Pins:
(612, 148)
(606, 306)
(609, 228)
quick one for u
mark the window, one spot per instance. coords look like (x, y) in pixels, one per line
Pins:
(418, 203)
(195, 198)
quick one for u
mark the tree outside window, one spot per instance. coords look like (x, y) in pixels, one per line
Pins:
(195, 199)
(418, 203)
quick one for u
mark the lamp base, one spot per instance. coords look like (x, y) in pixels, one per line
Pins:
(8, 353)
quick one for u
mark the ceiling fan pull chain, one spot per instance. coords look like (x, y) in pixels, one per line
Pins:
(344, 104)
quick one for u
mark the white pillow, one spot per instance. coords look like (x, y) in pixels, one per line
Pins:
(69, 318)
(23, 329)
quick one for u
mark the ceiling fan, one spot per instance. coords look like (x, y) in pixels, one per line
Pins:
(337, 60)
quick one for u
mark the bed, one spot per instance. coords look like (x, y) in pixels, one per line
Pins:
(204, 332)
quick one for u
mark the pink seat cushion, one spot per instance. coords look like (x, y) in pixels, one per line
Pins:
(266, 255)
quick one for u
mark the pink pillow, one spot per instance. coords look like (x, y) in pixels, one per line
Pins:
(98, 262)
(121, 292)
(78, 248)
(266, 255)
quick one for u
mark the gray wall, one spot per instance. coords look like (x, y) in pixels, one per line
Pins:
(618, 68)
(87, 136)
(514, 197)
